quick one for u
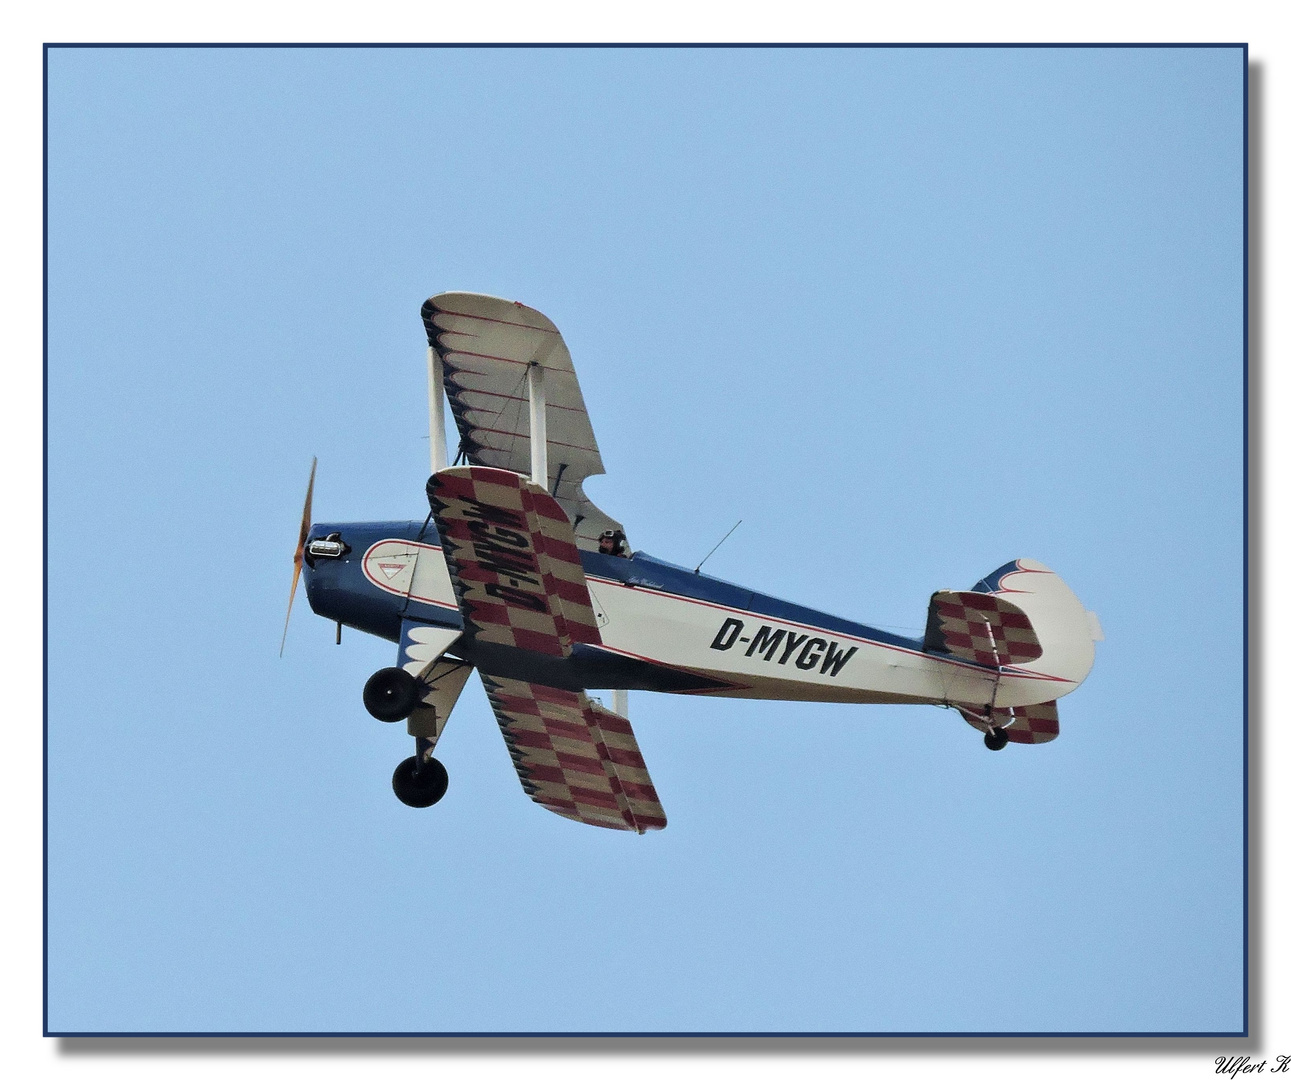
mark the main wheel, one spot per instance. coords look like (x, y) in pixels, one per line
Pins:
(420, 787)
(390, 695)
(997, 739)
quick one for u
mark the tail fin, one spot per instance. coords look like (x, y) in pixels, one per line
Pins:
(1065, 630)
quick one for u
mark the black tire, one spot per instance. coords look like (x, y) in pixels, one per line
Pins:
(390, 695)
(997, 739)
(420, 788)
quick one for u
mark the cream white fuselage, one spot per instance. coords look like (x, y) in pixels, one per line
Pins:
(756, 655)
(766, 657)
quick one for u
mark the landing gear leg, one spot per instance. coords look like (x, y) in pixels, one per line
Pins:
(420, 780)
(997, 739)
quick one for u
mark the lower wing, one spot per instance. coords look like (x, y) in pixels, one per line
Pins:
(574, 757)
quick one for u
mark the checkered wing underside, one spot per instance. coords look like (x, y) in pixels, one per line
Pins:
(982, 628)
(574, 757)
(1022, 723)
(513, 561)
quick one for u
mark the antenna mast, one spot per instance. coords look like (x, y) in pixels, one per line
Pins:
(719, 544)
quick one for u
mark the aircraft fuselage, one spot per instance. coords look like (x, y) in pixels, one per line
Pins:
(662, 628)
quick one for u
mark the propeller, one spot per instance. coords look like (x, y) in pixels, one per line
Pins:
(300, 551)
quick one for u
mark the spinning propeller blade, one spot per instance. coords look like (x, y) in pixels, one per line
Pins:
(300, 551)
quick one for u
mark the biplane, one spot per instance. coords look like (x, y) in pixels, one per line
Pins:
(516, 575)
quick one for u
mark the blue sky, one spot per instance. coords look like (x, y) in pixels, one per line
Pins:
(909, 314)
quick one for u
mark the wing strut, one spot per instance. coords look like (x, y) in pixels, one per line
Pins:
(438, 439)
(537, 426)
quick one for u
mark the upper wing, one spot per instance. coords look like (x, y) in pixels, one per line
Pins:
(512, 560)
(574, 757)
(486, 345)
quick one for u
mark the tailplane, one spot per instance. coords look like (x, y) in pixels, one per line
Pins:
(1020, 619)
(1021, 616)
(1021, 723)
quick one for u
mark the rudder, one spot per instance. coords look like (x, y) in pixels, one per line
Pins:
(1065, 630)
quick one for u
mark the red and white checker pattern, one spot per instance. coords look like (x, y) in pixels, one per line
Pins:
(1021, 723)
(985, 629)
(513, 561)
(574, 757)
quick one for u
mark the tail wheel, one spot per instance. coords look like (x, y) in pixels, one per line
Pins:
(390, 695)
(422, 786)
(997, 739)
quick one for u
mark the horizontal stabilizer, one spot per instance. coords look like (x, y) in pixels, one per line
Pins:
(980, 627)
(1021, 723)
